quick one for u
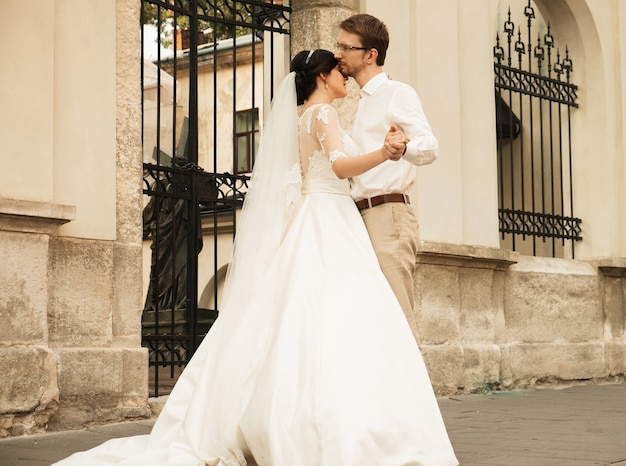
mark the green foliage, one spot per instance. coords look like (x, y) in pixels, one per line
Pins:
(488, 386)
(163, 18)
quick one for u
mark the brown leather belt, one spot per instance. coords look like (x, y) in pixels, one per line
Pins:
(383, 198)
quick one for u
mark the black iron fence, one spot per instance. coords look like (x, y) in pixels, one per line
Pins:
(211, 70)
(534, 100)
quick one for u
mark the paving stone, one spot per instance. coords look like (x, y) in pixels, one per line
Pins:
(572, 426)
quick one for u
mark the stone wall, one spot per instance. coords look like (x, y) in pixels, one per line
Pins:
(94, 312)
(98, 381)
(70, 237)
(29, 393)
(70, 349)
(495, 319)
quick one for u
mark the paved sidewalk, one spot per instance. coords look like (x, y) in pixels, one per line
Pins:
(575, 426)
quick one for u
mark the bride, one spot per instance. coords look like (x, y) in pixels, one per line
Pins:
(311, 361)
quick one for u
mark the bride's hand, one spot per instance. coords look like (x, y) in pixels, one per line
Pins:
(395, 143)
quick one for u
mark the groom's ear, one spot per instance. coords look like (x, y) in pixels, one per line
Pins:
(372, 55)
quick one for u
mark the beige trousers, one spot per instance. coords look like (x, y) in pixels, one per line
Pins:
(394, 232)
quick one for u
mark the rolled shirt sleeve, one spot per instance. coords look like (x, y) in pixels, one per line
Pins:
(407, 112)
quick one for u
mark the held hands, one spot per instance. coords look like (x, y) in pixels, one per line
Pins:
(393, 149)
(395, 143)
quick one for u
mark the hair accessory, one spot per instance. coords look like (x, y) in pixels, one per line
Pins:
(308, 57)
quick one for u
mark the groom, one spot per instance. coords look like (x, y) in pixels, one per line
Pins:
(381, 194)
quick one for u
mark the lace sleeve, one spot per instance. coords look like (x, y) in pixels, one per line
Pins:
(329, 133)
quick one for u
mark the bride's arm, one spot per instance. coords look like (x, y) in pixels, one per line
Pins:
(329, 131)
(348, 167)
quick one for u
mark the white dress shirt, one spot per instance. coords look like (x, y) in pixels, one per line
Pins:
(385, 102)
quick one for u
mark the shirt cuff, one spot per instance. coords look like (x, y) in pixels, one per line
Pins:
(416, 156)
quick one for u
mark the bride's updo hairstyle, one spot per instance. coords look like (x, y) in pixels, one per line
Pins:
(307, 65)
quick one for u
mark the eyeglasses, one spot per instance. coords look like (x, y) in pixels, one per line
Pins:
(348, 48)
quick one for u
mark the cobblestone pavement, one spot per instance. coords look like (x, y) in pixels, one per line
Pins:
(574, 426)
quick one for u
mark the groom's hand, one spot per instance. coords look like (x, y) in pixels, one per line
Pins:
(395, 143)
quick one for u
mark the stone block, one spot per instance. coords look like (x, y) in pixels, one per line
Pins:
(81, 292)
(615, 358)
(24, 297)
(86, 372)
(157, 405)
(298, 5)
(315, 24)
(29, 379)
(128, 95)
(549, 300)
(481, 367)
(19, 215)
(445, 367)
(437, 303)
(100, 385)
(614, 307)
(28, 393)
(563, 361)
(135, 372)
(127, 295)
(480, 315)
(459, 292)
(506, 370)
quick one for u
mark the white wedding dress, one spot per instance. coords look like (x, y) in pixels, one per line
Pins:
(320, 369)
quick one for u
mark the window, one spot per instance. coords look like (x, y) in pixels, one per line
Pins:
(246, 138)
(534, 101)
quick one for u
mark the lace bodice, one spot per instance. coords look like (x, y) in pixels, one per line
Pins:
(322, 141)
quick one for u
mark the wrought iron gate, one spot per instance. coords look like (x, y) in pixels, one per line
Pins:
(201, 101)
(534, 99)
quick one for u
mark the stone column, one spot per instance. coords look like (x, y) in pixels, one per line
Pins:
(96, 286)
(315, 23)
(29, 393)
(127, 262)
(613, 292)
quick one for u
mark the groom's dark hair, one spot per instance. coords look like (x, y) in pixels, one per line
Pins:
(372, 31)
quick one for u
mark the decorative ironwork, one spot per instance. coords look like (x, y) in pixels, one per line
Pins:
(165, 350)
(213, 189)
(537, 224)
(260, 15)
(534, 98)
(188, 204)
(263, 15)
(508, 78)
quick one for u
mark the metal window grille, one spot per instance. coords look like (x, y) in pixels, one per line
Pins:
(534, 99)
(205, 68)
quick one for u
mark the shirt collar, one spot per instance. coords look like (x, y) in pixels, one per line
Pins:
(374, 83)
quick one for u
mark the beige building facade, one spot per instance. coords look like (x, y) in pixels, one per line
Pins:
(71, 205)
